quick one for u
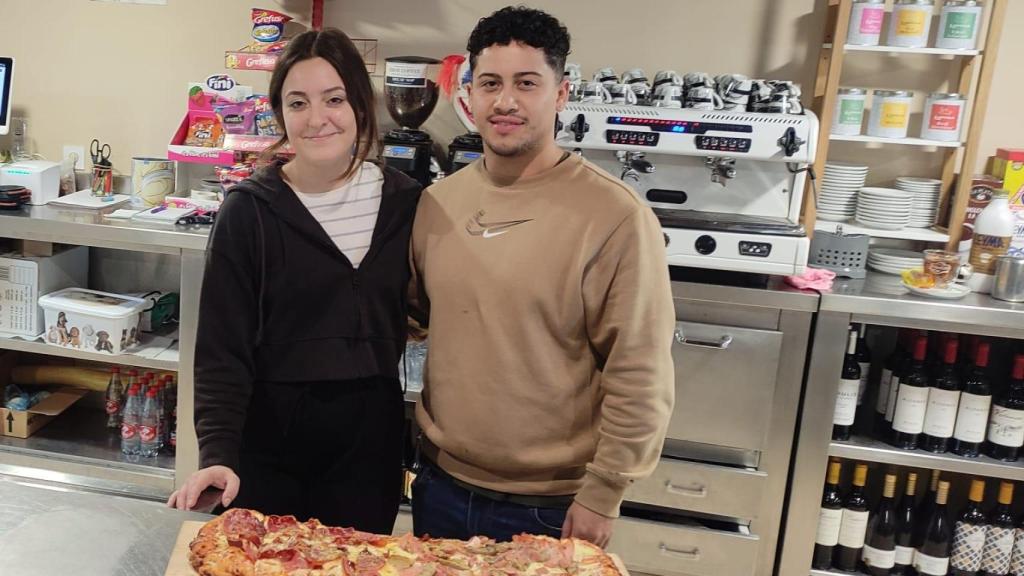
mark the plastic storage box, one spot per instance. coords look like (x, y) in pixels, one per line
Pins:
(91, 320)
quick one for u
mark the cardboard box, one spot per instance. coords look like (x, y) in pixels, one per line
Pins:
(22, 424)
(1008, 164)
(23, 279)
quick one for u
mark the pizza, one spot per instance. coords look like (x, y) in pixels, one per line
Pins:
(243, 542)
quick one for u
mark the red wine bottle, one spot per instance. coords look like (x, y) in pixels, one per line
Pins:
(969, 534)
(854, 527)
(829, 519)
(975, 404)
(943, 402)
(846, 397)
(912, 400)
(879, 554)
(863, 360)
(1006, 425)
(888, 384)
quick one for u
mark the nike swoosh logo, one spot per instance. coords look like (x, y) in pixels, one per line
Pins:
(492, 229)
(489, 234)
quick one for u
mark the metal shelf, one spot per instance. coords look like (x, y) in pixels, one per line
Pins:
(40, 347)
(78, 445)
(900, 141)
(921, 234)
(862, 448)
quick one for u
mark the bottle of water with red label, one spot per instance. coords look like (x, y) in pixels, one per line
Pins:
(130, 423)
(115, 398)
(149, 425)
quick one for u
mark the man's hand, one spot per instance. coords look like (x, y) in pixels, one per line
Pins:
(221, 477)
(583, 523)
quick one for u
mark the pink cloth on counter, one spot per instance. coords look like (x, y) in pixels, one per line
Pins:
(813, 279)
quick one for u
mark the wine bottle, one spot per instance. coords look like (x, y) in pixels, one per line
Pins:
(1006, 425)
(905, 518)
(854, 526)
(969, 534)
(924, 510)
(1017, 558)
(912, 402)
(995, 556)
(975, 403)
(863, 361)
(846, 398)
(890, 372)
(829, 519)
(943, 402)
(879, 554)
(932, 556)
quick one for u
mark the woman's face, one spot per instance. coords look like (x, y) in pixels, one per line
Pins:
(318, 118)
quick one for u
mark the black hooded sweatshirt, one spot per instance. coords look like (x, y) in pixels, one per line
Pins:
(281, 303)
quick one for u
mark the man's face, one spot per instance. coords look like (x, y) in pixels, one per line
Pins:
(514, 98)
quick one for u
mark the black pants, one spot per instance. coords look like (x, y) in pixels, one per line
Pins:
(325, 450)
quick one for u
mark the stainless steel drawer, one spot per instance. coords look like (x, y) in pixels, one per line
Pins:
(696, 487)
(725, 384)
(674, 550)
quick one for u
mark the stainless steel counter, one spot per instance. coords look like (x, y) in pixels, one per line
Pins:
(777, 295)
(881, 299)
(47, 530)
(92, 228)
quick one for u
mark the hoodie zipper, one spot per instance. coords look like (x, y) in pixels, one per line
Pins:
(358, 301)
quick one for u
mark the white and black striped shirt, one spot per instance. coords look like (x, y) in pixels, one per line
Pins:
(349, 213)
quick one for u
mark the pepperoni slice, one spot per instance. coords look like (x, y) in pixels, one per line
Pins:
(239, 526)
(368, 564)
(278, 523)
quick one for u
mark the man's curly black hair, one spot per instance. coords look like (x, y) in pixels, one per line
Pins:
(521, 24)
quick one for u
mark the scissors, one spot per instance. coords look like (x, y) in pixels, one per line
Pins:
(100, 153)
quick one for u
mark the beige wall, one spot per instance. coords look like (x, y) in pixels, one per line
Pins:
(118, 72)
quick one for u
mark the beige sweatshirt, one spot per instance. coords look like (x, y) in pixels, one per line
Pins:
(550, 315)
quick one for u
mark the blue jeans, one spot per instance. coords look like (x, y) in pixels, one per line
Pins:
(443, 509)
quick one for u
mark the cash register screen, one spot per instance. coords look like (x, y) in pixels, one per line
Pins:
(6, 71)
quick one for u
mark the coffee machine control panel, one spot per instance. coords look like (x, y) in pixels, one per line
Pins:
(688, 132)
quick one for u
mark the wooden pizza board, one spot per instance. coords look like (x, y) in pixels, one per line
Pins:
(178, 564)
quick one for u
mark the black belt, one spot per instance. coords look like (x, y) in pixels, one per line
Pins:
(528, 500)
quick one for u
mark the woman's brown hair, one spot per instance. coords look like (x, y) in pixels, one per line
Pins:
(337, 49)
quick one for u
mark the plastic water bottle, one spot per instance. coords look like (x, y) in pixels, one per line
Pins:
(115, 399)
(130, 424)
(149, 427)
(161, 416)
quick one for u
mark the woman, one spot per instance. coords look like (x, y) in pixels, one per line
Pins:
(303, 310)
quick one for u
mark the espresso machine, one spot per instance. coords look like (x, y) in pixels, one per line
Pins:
(410, 95)
(726, 186)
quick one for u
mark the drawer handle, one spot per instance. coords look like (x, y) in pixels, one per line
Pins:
(722, 343)
(691, 554)
(697, 491)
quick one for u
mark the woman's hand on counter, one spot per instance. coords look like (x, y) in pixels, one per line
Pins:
(221, 477)
(585, 524)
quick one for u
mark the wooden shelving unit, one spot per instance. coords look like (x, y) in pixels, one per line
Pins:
(958, 157)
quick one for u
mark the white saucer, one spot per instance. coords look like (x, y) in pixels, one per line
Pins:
(951, 292)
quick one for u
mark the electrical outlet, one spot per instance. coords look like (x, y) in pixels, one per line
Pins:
(77, 150)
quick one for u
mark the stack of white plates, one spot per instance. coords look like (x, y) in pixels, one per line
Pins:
(884, 208)
(926, 199)
(893, 261)
(837, 199)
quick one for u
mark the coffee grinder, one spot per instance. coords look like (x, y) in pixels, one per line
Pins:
(410, 96)
(469, 147)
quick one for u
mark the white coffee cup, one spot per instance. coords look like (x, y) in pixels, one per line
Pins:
(668, 96)
(703, 98)
(595, 93)
(697, 79)
(573, 72)
(735, 90)
(622, 94)
(606, 76)
(666, 77)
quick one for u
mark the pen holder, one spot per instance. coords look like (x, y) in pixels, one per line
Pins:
(102, 181)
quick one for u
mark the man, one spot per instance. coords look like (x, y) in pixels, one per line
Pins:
(549, 381)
